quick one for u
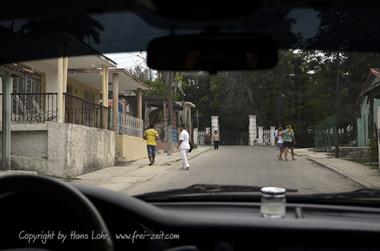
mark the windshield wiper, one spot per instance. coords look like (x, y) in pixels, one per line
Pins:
(203, 189)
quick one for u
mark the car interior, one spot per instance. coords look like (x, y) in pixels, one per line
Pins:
(209, 36)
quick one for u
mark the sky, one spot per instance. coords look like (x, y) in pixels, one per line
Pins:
(129, 60)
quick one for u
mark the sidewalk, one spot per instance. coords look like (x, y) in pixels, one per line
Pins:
(361, 174)
(121, 177)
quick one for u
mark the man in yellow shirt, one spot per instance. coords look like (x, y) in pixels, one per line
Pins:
(151, 136)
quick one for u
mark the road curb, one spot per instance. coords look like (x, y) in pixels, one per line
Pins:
(357, 181)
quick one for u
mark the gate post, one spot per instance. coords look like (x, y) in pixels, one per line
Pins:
(214, 124)
(252, 129)
(272, 140)
(260, 136)
(195, 136)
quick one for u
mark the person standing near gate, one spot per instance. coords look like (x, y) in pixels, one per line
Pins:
(289, 141)
(151, 136)
(279, 136)
(184, 146)
(215, 139)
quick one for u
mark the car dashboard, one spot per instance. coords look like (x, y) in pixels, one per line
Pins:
(223, 226)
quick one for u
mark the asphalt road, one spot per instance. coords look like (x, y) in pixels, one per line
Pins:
(242, 165)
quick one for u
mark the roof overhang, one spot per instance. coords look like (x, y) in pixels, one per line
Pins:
(127, 82)
(94, 78)
(89, 62)
(373, 90)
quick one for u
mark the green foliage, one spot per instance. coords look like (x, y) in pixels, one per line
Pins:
(301, 90)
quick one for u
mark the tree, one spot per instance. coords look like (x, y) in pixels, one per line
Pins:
(83, 28)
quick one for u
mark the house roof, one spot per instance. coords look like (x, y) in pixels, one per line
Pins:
(80, 62)
(372, 83)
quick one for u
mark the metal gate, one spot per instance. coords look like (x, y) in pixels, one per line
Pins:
(266, 137)
(201, 137)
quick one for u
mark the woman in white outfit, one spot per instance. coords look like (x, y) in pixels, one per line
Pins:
(184, 146)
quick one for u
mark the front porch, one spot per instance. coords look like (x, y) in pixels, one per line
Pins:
(64, 107)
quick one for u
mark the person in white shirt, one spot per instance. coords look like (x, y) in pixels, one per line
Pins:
(280, 142)
(184, 146)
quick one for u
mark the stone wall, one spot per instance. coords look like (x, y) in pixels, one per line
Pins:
(61, 150)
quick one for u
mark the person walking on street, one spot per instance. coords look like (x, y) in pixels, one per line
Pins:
(184, 146)
(289, 141)
(280, 142)
(215, 139)
(151, 136)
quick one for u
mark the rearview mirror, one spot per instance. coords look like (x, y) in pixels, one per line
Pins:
(216, 52)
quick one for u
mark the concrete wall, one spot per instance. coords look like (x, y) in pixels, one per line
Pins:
(85, 149)
(130, 148)
(79, 89)
(29, 147)
(61, 150)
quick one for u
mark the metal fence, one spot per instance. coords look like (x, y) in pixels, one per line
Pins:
(130, 125)
(34, 107)
(325, 134)
(266, 137)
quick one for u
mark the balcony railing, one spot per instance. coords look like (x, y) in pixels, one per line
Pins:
(42, 107)
(130, 125)
(82, 112)
(34, 107)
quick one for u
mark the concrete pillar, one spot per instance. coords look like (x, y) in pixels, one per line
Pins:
(65, 67)
(105, 82)
(146, 114)
(195, 136)
(214, 124)
(260, 135)
(115, 102)
(6, 79)
(272, 140)
(252, 131)
(64, 82)
(60, 108)
(139, 103)
(105, 86)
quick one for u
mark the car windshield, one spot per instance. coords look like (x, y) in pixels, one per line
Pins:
(83, 106)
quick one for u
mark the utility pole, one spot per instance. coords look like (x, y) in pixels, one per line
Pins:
(337, 103)
(280, 104)
(197, 120)
(170, 106)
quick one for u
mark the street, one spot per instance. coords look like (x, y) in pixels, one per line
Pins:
(242, 165)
